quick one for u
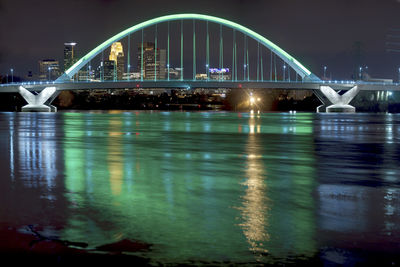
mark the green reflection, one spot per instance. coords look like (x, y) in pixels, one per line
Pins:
(74, 156)
(175, 180)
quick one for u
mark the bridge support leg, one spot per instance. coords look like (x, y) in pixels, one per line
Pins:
(36, 103)
(321, 108)
(340, 103)
(320, 96)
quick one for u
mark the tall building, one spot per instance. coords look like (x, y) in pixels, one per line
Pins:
(86, 75)
(153, 64)
(49, 69)
(109, 70)
(117, 55)
(69, 55)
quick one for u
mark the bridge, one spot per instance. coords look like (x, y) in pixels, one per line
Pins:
(211, 39)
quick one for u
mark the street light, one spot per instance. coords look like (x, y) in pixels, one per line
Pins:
(12, 75)
(49, 73)
(360, 73)
(325, 72)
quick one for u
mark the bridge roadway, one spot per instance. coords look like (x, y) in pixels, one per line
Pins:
(190, 84)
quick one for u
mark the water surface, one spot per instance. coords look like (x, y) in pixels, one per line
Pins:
(205, 186)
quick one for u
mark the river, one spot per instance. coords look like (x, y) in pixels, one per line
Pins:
(216, 187)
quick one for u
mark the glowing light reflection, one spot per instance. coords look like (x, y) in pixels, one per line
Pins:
(255, 201)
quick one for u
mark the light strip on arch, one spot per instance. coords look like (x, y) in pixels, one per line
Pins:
(277, 50)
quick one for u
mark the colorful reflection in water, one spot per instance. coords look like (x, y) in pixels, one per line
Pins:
(236, 187)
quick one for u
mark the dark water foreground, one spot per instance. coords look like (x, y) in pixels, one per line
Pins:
(200, 188)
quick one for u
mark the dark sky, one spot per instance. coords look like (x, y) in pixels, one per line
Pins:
(316, 32)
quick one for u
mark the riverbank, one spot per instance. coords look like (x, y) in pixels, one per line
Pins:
(22, 246)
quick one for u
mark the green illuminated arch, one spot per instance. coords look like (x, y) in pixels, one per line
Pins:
(291, 61)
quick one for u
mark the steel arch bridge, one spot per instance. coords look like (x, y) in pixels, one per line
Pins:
(288, 59)
(324, 91)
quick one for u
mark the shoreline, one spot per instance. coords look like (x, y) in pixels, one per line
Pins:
(20, 247)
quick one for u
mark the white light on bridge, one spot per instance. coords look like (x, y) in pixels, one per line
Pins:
(252, 100)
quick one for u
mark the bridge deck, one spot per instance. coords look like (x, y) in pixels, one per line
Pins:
(190, 84)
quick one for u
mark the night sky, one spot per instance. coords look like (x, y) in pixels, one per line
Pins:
(316, 32)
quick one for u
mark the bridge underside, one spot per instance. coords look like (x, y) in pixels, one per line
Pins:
(40, 96)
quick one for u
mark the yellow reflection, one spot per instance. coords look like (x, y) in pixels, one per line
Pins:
(253, 128)
(114, 158)
(254, 203)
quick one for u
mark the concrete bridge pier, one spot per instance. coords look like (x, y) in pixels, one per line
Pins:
(340, 103)
(50, 100)
(323, 99)
(40, 102)
(321, 108)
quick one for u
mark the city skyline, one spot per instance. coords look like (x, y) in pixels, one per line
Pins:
(317, 33)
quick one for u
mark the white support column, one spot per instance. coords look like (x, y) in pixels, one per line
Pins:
(340, 102)
(36, 102)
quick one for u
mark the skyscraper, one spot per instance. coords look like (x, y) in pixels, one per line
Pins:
(109, 70)
(117, 55)
(69, 55)
(49, 69)
(154, 65)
